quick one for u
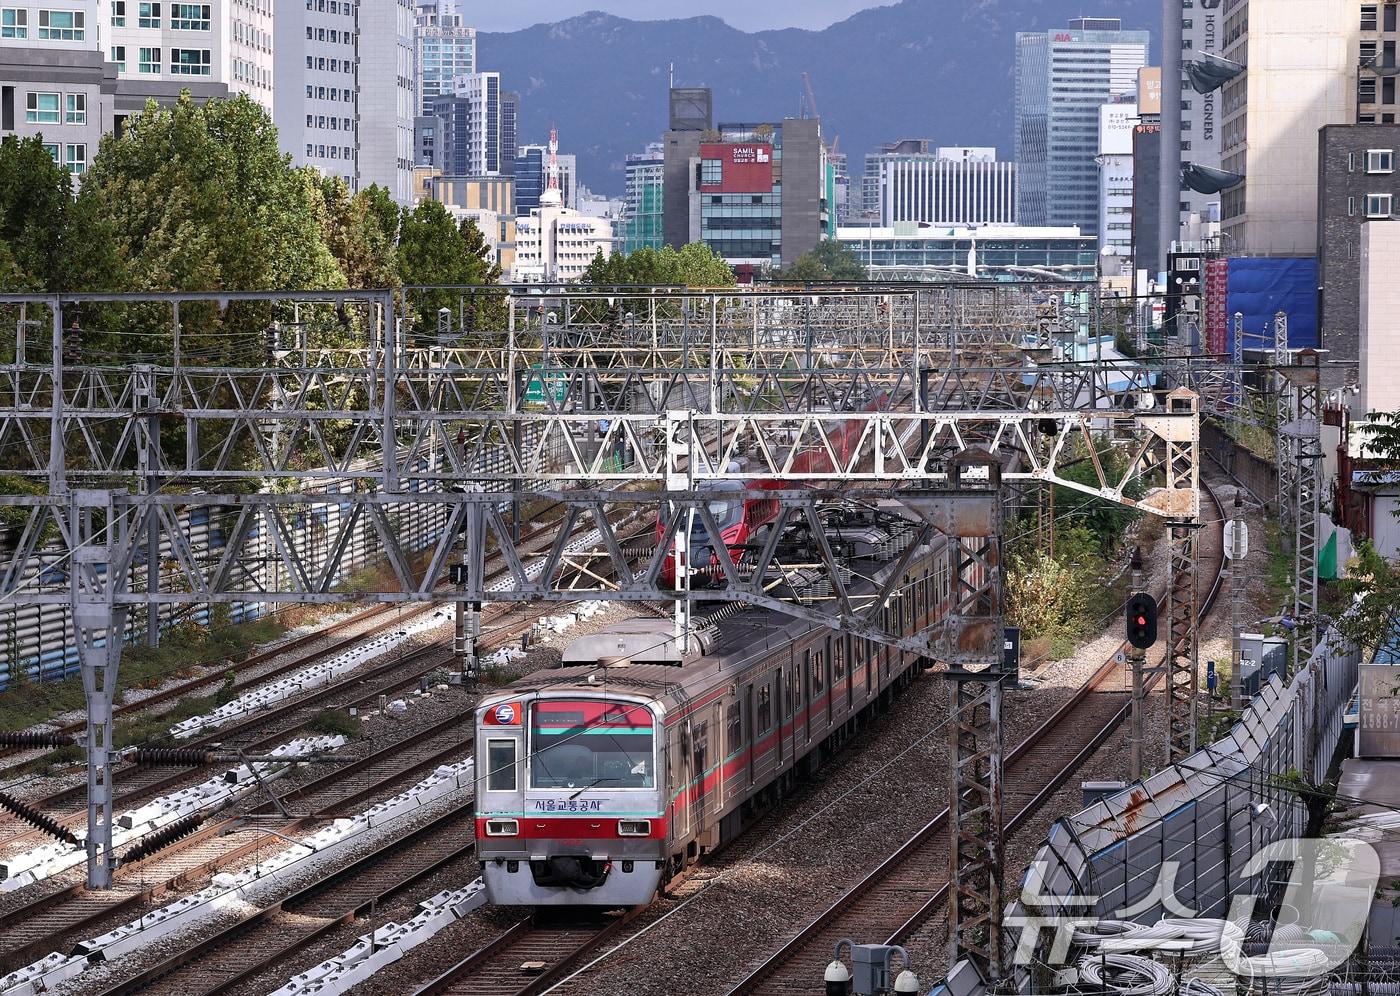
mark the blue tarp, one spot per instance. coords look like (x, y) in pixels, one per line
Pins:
(1260, 287)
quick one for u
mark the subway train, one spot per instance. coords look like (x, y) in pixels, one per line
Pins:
(598, 782)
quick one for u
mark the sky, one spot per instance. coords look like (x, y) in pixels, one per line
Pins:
(743, 14)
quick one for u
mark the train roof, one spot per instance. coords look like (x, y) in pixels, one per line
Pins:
(640, 644)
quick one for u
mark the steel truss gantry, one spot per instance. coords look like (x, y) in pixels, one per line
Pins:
(356, 410)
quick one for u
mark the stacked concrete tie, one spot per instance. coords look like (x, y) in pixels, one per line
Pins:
(49, 859)
(333, 842)
(386, 945)
(308, 678)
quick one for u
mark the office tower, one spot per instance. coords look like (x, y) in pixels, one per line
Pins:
(386, 100)
(444, 48)
(646, 172)
(531, 177)
(691, 114)
(1063, 76)
(485, 140)
(1300, 59)
(316, 105)
(946, 186)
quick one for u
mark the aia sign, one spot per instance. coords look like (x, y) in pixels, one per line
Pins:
(1064, 36)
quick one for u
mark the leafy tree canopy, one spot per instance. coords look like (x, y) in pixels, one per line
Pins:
(200, 198)
(695, 265)
(830, 260)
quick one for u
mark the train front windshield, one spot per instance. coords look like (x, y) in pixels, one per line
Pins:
(726, 514)
(586, 743)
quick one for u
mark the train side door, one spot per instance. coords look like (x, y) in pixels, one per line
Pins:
(829, 682)
(699, 757)
(807, 694)
(750, 731)
(679, 765)
(782, 697)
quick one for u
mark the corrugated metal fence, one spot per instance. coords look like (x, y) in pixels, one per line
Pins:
(37, 641)
(1179, 839)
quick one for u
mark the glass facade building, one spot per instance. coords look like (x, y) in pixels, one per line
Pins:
(444, 48)
(922, 252)
(1062, 78)
(645, 208)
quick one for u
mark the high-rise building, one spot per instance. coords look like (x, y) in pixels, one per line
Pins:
(485, 139)
(646, 172)
(1375, 86)
(1202, 35)
(554, 242)
(510, 130)
(444, 48)
(759, 196)
(316, 103)
(1063, 76)
(54, 83)
(386, 99)
(1358, 185)
(1115, 159)
(946, 186)
(691, 114)
(211, 49)
(531, 169)
(1300, 59)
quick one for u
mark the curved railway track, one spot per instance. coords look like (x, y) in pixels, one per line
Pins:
(905, 889)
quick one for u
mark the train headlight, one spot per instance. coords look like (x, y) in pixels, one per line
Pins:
(634, 828)
(502, 828)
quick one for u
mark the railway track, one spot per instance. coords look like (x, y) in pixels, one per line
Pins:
(31, 930)
(280, 929)
(905, 889)
(381, 618)
(529, 957)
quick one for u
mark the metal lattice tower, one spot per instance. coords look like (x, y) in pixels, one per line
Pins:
(1181, 653)
(1304, 436)
(1284, 461)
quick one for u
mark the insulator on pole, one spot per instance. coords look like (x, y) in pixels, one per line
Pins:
(36, 818)
(163, 838)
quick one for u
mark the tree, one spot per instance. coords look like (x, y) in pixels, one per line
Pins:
(201, 198)
(358, 232)
(696, 265)
(1372, 587)
(829, 260)
(48, 242)
(434, 250)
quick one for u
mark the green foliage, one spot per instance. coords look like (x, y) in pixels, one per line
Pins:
(336, 721)
(14, 517)
(360, 233)
(1045, 598)
(434, 249)
(47, 241)
(200, 198)
(695, 265)
(830, 260)
(181, 650)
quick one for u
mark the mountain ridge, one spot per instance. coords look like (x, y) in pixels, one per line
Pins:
(913, 69)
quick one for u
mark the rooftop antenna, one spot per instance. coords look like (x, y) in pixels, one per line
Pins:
(553, 158)
(673, 76)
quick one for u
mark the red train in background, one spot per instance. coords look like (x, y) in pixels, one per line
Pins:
(743, 522)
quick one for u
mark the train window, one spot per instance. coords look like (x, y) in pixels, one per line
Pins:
(500, 761)
(818, 672)
(765, 710)
(838, 659)
(733, 717)
(578, 743)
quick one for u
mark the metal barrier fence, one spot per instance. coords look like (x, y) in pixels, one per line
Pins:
(36, 641)
(1175, 843)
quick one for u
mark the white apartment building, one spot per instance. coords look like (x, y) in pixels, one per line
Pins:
(316, 109)
(53, 82)
(484, 139)
(952, 186)
(387, 101)
(1116, 123)
(556, 244)
(1301, 68)
(344, 100)
(212, 49)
